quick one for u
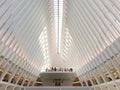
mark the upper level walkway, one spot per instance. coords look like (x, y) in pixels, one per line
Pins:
(57, 75)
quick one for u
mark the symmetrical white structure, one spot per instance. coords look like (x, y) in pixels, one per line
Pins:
(82, 34)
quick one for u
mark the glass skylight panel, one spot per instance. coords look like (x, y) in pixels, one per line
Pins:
(43, 41)
(58, 13)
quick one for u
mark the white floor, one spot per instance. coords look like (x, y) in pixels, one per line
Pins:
(57, 88)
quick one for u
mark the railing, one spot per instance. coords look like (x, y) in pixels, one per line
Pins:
(56, 69)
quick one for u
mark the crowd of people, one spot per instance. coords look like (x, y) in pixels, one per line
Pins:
(54, 69)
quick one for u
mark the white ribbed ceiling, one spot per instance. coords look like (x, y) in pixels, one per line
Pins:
(62, 33)
(91, 32)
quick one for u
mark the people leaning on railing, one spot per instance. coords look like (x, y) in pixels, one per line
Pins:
(54, 69)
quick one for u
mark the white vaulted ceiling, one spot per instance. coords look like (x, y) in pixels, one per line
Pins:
(27, 28)
(36, 34)
(91, 32)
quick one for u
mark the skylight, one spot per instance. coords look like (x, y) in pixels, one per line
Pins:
(58, 14)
